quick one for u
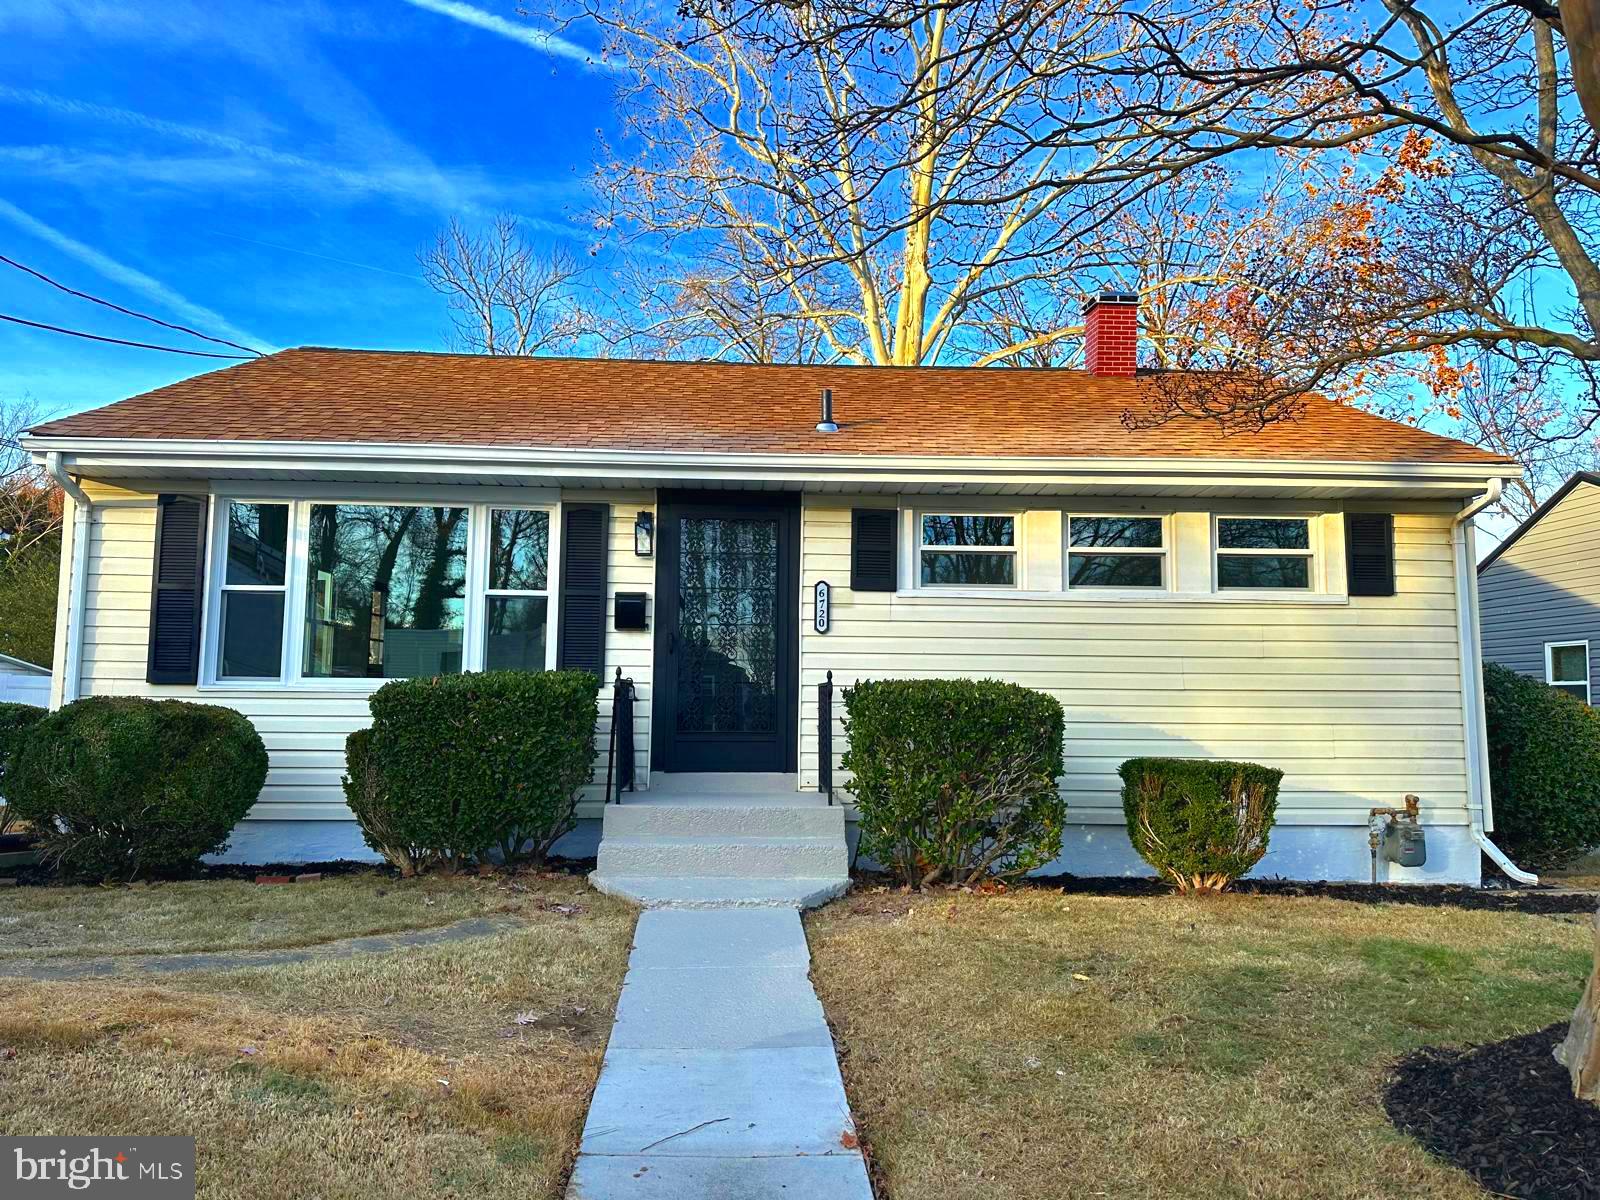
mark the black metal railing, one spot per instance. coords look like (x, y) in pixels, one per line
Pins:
(619, 751)
(825, 737)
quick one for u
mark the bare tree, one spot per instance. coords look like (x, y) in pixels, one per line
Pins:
(1514, 408)
(1475, 175)
(505, 295)
(898, 178)
(30, 502)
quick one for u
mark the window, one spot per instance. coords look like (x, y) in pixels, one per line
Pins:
(253, 591)
(385, 591)
(1116, 552)
(1566, 666)
(1264, 552)
(968, 550)
(517, 603)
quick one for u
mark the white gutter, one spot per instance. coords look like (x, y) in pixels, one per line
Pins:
(72, 670)
(1480, 804)
(205, 456)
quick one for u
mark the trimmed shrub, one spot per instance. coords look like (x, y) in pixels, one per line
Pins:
(118, 787)
(955, 779)
(15, 720)
(1544, 769)
(1200, 823)
(457, 765)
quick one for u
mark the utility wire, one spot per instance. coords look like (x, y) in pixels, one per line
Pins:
(95, 337)
(40, 275)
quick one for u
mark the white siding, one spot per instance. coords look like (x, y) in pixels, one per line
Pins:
(631, 651)
(304, 729)
(1358, 702)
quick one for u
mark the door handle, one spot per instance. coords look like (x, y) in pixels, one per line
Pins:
(672, 643)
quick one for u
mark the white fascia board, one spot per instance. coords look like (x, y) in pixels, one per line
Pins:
(201, 459)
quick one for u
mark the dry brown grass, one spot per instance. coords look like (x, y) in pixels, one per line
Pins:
(171, 918)
(391, 1075)
(1037, 1045)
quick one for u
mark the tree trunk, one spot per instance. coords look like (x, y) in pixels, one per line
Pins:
(1580, 1053)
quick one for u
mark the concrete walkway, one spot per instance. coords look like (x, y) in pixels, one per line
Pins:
(720, 1080)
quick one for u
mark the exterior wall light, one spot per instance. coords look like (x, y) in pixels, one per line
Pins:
(644, 534)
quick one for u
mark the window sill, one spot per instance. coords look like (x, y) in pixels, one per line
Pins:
(1120, 596)
(355, 687)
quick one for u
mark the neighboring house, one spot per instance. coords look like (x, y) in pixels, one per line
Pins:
(23, 682)
(1539, 592)
(321, 519)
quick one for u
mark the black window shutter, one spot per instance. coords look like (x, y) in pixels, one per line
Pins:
(177, 590)
(1369, 553)
(874, 549)
(581, 638)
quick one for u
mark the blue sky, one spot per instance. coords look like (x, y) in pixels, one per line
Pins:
(266, 172)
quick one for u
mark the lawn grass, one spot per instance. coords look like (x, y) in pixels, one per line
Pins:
(205, 915)
(1043, 1045)
(460, 1070)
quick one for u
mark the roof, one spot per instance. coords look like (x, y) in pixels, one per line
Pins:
(325, 395)
(25, 667)
(1538, 515)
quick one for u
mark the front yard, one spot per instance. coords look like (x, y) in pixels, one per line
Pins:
(453, 1069)
(1049, 1045)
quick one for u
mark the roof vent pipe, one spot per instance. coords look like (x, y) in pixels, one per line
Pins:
(827, 424)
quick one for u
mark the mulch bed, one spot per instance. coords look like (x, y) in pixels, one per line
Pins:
(1503, 1113)
(1535, 901)
(38, 876)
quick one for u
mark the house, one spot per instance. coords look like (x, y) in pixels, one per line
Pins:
(23, 682)
(1539, 592)
(281, 535)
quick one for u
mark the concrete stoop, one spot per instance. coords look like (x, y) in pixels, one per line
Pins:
(707, 841)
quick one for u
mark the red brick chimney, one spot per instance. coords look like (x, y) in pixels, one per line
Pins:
(1111, 334)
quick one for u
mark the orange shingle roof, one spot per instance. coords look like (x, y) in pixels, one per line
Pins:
(320, 395)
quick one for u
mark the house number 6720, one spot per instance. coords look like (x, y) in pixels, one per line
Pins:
(823, 610)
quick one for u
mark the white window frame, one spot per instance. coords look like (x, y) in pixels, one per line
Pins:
(222, 528)
(1312, 553)
(1550, 649)
(1015, 550)
(291, 674)
(483, 529)
(1164, 552)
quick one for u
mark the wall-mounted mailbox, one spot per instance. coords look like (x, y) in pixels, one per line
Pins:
(631, 611)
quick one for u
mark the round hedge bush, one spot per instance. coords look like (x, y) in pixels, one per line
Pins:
(15, 721)
(1200, 823)
(955, 779)
(120, 787)
(455, 766)
(1544, 769)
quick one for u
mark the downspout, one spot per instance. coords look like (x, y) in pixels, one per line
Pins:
(72, 671)
(1480, 810)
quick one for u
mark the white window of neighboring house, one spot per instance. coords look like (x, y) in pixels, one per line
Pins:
(1566, 666)
(1116, 552)
(967, 550)
(254, 591)
(1264, 553)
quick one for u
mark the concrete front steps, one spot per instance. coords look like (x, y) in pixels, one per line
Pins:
(713, 841)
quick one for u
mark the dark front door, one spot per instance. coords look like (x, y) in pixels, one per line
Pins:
(727, 634)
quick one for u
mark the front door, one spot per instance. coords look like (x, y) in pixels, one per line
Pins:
(727, 633)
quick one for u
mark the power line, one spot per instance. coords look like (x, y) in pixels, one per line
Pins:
(95, 337)
(40, 275)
